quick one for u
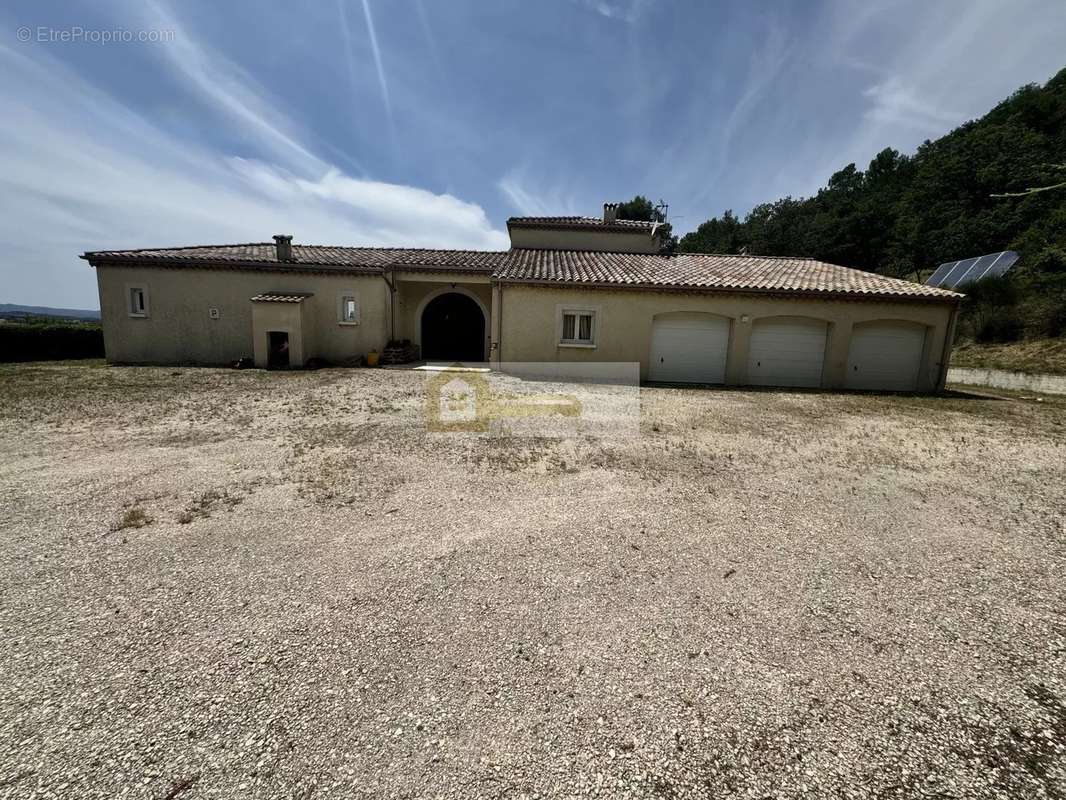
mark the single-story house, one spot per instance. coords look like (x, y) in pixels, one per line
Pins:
(568, 289)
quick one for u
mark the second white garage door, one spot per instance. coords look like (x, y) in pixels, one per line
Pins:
(787, 351)
(885, 355)
(689, 348)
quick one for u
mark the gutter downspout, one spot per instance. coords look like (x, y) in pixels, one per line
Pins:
(392, 305)
(496, 322)
(949, 340)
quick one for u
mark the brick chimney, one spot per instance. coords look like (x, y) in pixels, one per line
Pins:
(283, 245)
(610, 213)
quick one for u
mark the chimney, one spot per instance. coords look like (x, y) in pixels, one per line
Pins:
(283, 244)
(610, 213)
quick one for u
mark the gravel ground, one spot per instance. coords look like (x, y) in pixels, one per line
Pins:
(241, 584)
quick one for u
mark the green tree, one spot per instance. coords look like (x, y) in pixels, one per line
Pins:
(725, 235)
(641, 209)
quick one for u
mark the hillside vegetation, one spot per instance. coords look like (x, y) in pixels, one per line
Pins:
(1031, 355)
(905, 214)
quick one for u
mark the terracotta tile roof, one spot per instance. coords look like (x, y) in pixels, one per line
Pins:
(696, 271)
(581, 223)
(705, 272)
(277, 297)
(306, 256)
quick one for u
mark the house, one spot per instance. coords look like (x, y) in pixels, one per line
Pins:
(590, 289)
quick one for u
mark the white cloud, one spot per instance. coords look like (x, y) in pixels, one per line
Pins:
(627, 12)
(764, 67)
(532, 202)
(896, 104)
(937, 65)
(89, 173)
(703, 155)
(377, 57)
(383, 213)
(229, 89)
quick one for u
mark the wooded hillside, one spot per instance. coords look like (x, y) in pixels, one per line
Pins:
(905, 214)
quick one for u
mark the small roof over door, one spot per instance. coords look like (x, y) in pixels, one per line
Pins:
(281, 297)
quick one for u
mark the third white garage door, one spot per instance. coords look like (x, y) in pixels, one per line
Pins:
(885, 355)
(787, 351)
(688, 348)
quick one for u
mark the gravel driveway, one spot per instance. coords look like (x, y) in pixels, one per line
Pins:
(246, 584)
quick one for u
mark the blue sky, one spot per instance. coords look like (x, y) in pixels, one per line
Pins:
(429, 122)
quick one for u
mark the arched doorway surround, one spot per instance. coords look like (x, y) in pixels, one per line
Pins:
(453, 324)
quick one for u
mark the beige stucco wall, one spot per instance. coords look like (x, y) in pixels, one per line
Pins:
(563, 239)
(179, 329)
(523, 320)
(527, 325)
(413, 291)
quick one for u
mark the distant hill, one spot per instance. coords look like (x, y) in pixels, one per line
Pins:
(9, 310)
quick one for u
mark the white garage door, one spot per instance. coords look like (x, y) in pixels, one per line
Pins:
(885, 355)
(787, 351)
(689, 348)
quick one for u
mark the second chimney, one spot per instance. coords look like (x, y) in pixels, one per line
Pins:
(610, 212)
(283, 245)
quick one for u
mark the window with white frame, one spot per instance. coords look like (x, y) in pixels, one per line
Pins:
(138, 301)
(349, 309)
(579, 327)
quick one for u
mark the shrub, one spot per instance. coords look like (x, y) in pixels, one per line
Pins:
(1051, 259)
(1053, 319)
(133, 518)
(992, 292)
(999, 325)
(21, 341)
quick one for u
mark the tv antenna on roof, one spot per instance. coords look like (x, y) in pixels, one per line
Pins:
(662, 209)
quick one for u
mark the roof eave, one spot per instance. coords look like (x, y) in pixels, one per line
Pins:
(675, 287)
(472, 270)
(578, 226)
(95, 260)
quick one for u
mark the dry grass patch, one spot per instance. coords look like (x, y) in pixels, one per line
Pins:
(207, 502)
(135, 517)
(1034, 356)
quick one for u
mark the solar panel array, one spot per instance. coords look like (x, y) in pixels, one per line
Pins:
(959, 273)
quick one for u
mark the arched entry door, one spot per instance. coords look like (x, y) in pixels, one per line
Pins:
(453, 329)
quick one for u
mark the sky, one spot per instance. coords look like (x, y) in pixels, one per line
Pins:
(427, 123)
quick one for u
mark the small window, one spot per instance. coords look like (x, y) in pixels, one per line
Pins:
(349, 311)
(138, 301)
(579, 327)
